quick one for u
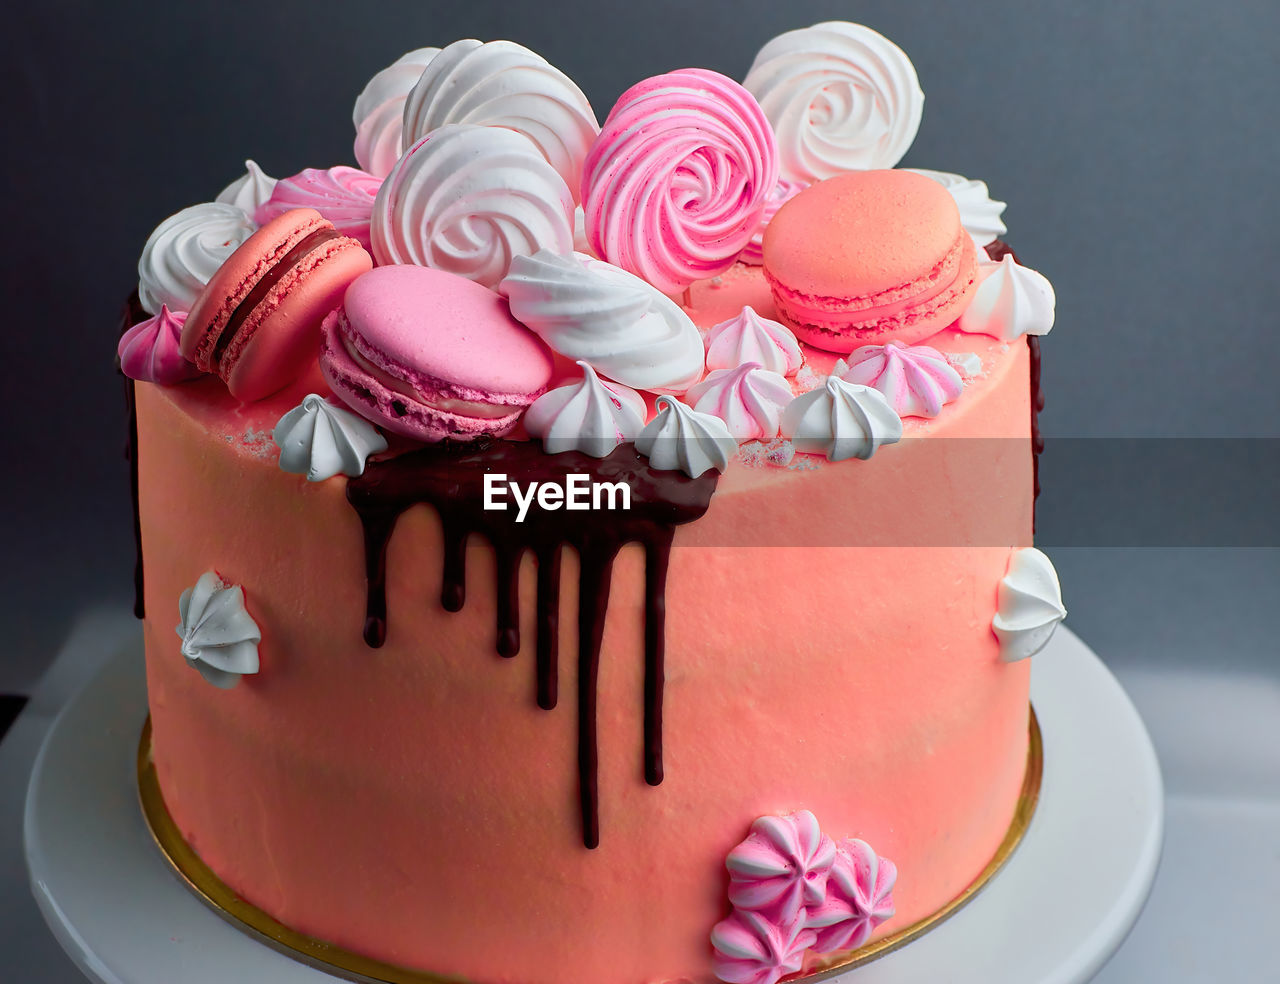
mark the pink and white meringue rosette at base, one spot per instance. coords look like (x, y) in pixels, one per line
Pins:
(751, 338)
(674, 186)
(466, 199)
(749, 399)
(916, 380)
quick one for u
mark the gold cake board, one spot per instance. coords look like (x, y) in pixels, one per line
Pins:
(355, 967)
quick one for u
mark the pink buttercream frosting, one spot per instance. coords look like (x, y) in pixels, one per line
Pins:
(859, 898)
(782, 865)
(917, 380)
(149, 351)
(751, 338)
(782, 193)
(753, 949)
(343, 195)
(674, 186)
(749, 399)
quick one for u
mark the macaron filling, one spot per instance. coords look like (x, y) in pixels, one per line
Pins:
(433, 401)
(274, 274)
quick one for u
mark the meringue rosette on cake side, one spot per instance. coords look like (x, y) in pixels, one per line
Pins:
(624, 527)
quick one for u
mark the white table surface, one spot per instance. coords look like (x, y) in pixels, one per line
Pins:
(1211, 916)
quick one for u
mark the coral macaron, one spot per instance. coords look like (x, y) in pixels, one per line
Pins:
(256, 323)
(431, 355)
(869, 256)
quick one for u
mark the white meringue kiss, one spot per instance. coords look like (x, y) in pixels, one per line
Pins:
(917, 380)
(841, 420)
(219, 636)
(250, 191)
(591, 310)
(1029, 605)
(590, 416)
(751, 338)
(749, 399)
(682, 438)
(320, 439)
(1011, 301)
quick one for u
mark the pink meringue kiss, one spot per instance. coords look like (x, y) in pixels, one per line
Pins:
(343, 195)
(749, 399)
(859, 898)
(782, 866)
(917, 380)
(149, 351)
(674, 187)
(752, 949)
(751, 338)
(782, 193)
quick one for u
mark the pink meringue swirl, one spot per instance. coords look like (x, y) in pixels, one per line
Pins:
(343, 195)
(674, 186)
(782, 866)
(149, 350)
(859, 898)
(782, 193)
(750, 948)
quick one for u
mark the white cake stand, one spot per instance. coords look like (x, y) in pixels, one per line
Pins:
(1053, 914)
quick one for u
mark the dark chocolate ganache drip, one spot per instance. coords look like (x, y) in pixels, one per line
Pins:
(997, 251)
(451, 478)
(130, 315)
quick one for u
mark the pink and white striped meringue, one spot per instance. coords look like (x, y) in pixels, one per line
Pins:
(501, 83)
(917, 380)
(149, 350)
(751, 949)
(859, 897)
(749, 399)
(343, 195)
(782, 866)
(378, 114)
(674, 186)
(751, 338)
(782, 193)
(591, 416)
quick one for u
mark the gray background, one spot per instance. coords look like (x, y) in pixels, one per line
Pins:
(1134, 141)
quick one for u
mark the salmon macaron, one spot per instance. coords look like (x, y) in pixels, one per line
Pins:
(257, 322)
(432, 356)
(869, 257)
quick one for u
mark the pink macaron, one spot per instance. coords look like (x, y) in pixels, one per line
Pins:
(256, 323)
(432, 355)
(867, 257)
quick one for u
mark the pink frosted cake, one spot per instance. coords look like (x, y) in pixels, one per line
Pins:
(611, 562)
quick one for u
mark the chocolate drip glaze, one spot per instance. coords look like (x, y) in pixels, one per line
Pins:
(451, 479)
(997, 251)
(130, 315)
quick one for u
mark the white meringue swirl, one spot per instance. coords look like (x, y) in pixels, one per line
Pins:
(378, 114)
(1029, 605)
(749, 399)
(840, 97)
(841, 420)
(1011, 301)
(979, 212)
(917, 380)
(185, 250)
(590, 416)
(219, 636)
(587, 309)
(501, 83)
(682, 438)
(320, 439)
(751, 338)
(250, 191)
(466, 199)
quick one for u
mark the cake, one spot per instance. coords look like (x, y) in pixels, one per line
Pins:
(600, 553)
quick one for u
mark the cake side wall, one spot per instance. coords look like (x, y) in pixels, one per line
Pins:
(412, 801)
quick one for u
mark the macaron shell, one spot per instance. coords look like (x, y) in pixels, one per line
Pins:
(282, 333)
(869, 256)
(237, 276)
(432, 328)
(393, 408)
